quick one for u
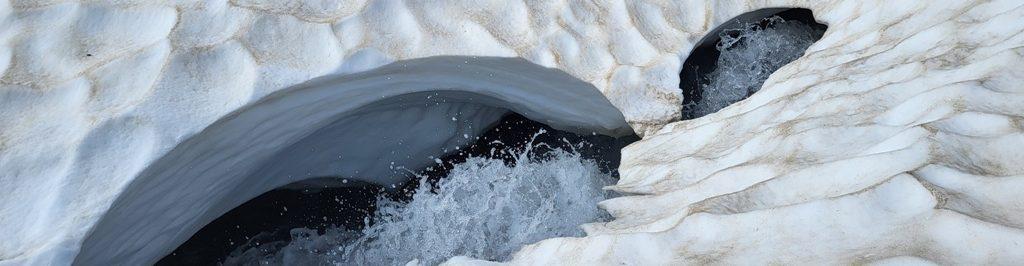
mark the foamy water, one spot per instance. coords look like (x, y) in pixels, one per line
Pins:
(484, 209)
(749, 54)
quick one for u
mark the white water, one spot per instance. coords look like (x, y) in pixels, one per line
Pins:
(483, 209)
(749, 54)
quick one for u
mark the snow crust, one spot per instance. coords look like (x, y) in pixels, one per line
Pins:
(896, 138)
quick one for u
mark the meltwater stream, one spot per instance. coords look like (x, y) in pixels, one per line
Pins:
(748, 54)
(485, 208)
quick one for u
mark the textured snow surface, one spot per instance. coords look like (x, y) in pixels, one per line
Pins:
(484, 208)
(896, 138)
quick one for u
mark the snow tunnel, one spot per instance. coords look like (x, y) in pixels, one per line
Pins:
(358, 126)
(732, 61)
(308, 221)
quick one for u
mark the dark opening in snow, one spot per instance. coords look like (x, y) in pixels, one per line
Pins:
(732, 61)
(269, 222)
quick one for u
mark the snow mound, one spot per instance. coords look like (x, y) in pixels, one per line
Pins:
(747, 59)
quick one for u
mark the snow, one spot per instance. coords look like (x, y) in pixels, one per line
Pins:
(896, 138)
(906, 132)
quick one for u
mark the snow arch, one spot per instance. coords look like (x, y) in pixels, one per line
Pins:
(363, 119)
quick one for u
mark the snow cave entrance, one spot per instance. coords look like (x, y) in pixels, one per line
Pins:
(464, 143)
(314, 220)
(732, 61)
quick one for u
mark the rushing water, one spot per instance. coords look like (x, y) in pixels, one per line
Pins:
(748, 55)
(488, 208)
(484, 208)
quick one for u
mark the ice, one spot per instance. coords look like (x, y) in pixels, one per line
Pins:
(483, 209)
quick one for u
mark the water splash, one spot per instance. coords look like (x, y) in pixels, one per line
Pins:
(749, 54)
(485, 209)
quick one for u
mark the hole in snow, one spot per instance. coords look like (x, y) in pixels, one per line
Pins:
(733, 60)
(317, 203)
(383, 128)
(485, 201)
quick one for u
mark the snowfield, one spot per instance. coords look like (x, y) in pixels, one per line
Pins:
(898, 138)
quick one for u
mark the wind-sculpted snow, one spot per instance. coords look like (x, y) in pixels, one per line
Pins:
(484, 208)
(897, 137)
